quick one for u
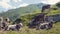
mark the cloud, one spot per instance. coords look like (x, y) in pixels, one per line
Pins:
(23, 5)
(50, 1)
(5, 5)
(17, 1)
(41, 1)
(12, 4)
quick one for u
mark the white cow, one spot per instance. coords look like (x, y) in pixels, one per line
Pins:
(15, 26)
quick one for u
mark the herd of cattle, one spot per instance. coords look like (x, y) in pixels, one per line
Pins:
(5, 25)
(39, 22)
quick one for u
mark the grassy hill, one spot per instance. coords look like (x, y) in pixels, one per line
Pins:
(26, 18)
(15, 13)
(25, 30)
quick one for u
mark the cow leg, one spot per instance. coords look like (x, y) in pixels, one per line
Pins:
(38, 27)
(47, 27)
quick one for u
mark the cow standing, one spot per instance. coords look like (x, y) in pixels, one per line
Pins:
(43, 24)
(45, 7)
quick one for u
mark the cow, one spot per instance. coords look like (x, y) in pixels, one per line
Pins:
(46, 25)
(5, 23)
(38, 18)
(7, 20)
(1, 21)
(45, 7)
(15, 27)
(17, 21)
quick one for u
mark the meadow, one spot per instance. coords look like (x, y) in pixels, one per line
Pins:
(25, 30)
(25, 20)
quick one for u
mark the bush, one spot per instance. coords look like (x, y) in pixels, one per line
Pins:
(58, 4)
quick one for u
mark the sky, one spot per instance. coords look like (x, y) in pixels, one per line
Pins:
(13, 4)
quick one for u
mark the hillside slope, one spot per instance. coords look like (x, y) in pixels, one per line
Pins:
(15, 13)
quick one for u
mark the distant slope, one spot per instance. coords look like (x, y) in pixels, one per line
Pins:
(15, 13)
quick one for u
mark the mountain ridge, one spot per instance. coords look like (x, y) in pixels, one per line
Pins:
(15, 13)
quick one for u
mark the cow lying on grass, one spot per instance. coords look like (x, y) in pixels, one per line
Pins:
(40, 25)
(46, 25)
(15, 27)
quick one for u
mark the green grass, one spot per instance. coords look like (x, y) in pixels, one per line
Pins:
(25, 30)
(54, 12)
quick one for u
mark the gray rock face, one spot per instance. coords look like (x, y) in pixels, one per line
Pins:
(54, 18)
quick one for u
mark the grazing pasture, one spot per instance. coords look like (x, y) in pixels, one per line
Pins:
(26, 19)
(25, 30)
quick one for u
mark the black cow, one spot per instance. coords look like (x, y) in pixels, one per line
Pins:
(17, 21)
(39, 18)
(45, 7)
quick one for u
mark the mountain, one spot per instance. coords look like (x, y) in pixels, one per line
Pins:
(15, 13)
